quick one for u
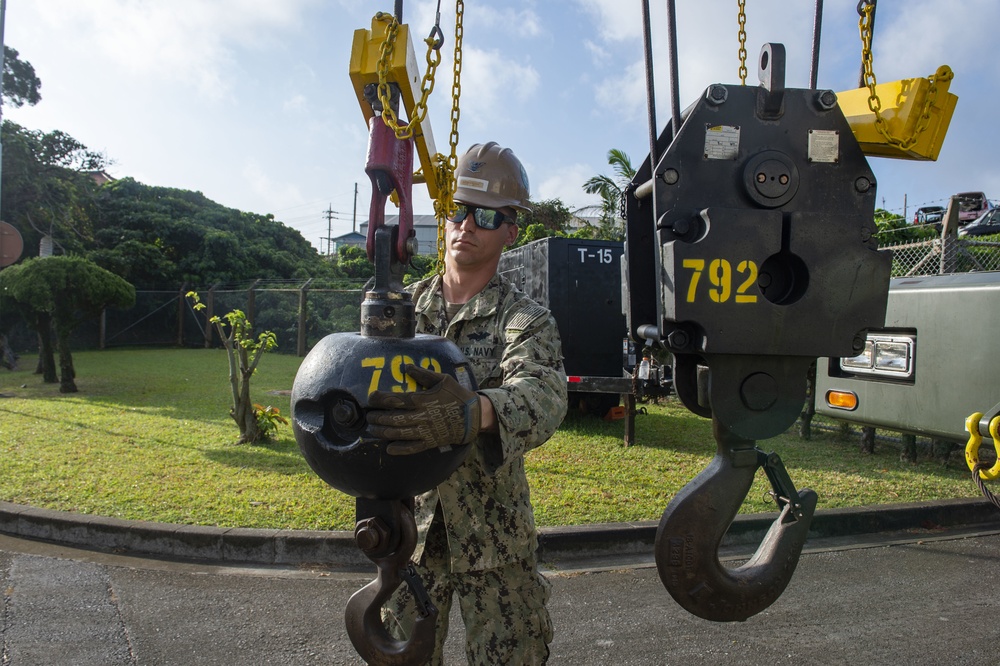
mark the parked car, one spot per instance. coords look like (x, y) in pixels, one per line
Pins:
(987, 223)
(929, 215)
(971, 205)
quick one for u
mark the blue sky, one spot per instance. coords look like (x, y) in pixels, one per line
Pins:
(249, 101)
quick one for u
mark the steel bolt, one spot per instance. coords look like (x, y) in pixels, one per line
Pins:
(344, 413)
(370, 534)
(759, 391)
(670, 176)
(682, 226)
(826, 99)
(678, 339)
(862, 184)
(717, 94)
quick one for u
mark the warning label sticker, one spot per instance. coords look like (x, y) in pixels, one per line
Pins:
(824, 146)
(722, 142)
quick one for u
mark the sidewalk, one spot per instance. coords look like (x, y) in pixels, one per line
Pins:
(337, 548)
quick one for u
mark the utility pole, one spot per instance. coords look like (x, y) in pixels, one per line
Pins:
(329, 227)
(354, 220)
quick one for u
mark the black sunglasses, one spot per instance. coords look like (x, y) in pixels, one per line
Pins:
(486, 218)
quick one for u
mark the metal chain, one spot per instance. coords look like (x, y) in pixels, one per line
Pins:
(742, 18)
(444, 206)
(866, 9)
(444, 166)
(623, 201)
(419, 110)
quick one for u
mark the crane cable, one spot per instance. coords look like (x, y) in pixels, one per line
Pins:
(444, 165)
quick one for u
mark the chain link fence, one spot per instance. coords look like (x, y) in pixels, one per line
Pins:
(917, 252)
(299, 316)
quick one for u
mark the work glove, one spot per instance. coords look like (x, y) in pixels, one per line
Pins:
(445, 414)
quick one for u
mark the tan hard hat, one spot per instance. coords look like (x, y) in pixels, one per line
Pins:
(492, 177)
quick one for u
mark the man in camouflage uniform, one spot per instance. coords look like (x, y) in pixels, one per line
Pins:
(477, 536)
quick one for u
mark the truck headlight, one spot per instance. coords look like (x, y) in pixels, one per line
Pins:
(885, 355)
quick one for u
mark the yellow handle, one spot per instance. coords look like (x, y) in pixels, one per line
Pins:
(975, 439)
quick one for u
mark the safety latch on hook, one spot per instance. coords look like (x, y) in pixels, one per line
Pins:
(782, 488)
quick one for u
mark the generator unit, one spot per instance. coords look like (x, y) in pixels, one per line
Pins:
(580, 282)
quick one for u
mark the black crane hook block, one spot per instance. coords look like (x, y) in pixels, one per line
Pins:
(749, 253)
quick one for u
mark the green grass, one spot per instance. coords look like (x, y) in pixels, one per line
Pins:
(148, 437)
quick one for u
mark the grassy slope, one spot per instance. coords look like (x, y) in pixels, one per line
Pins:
(149, 438)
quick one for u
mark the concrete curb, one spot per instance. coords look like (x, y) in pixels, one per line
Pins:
(633, 538)
(336, 548)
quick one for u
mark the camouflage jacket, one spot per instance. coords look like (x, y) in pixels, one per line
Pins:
(514, 347)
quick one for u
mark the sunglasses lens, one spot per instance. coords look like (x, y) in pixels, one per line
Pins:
(486, 218)
(459, 215)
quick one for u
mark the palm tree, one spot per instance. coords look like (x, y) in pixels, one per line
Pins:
(610, 190)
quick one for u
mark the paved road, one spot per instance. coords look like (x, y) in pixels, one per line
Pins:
(913, 599)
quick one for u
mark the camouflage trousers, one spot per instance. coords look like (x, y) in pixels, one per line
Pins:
(506, 622)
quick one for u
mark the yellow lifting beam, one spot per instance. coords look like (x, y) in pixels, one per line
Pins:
(912, 124)
(366, 51)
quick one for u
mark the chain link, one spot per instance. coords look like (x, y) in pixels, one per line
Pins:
(932, 255)
(419, 110)
(866, 10)
(445, 167)
(742, 18)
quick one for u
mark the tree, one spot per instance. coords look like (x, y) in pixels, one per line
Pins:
(550, 213)
(893, 228)
(353, 262)
(244, 352)
(610, 190)
(59, 292)
(161, 237)
(47, 186)
(547, 218)
(20, 84)
(532, 232)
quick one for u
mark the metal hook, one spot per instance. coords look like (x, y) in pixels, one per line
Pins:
(389, 165)
(693, 525)
(364, 609)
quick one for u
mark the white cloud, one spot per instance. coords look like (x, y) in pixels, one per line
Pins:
(616, 21)
(566, 183)
(189, 42)
(623, 95)
(599, 55)
(275, 194)
(493, 85)
(523, 22)
(929, 34)
(478, 18)
(297, 102)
